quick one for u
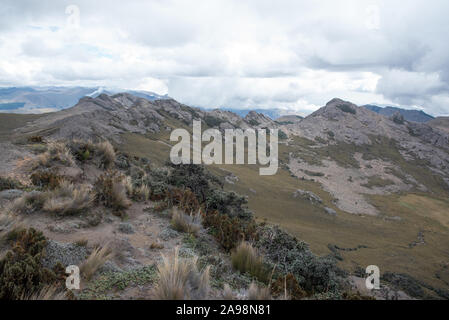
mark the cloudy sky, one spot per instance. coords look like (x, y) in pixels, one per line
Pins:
(241, 54)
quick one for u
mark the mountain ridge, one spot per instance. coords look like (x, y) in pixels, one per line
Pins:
(409, 115)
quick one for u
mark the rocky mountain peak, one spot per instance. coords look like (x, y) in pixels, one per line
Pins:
(256, 119)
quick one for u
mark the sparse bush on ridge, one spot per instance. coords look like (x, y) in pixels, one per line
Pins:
(246, 259)
(180, 278)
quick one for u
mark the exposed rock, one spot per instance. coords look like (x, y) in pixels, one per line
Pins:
(231, 179)
(126, 228)
(330, 211)
(168, 234)
(308, 195)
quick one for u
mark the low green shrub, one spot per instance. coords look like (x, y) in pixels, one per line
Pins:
(21, 270)
(314, 274)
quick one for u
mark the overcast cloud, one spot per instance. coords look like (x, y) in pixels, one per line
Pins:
(241, 54)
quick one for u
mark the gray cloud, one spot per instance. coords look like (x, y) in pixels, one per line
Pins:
(247, 54)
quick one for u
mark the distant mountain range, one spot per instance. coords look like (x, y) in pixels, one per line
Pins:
(409, 115)
(271, 113)
(45, 99)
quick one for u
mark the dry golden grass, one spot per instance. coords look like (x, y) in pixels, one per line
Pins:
(256, 292)
(28, 203)
(56, 152)
(227, 293)
(50, 292)
(95, 261)
(246, 259)
(106, 152)
(68, 199)
(143, 192)
(179, 279)
(127, 182)
(111, 191)
(185, 223)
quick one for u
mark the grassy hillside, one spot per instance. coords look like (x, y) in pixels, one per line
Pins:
(385, 240)
(11, 121)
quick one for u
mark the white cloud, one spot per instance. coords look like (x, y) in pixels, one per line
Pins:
(295, 54)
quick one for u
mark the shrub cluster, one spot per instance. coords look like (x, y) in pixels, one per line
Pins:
(7, 183)
(21, 270)
(314, 274)
(110, 190)
(101, 152)
(45, 178)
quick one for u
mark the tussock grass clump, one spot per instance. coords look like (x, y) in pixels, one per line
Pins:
(111, 191)
(29, 203)
(105, 151)
(68, 199)
(96, 260)
(180, 279)
(56, 152)
(246, 259)
(186, 223)
(256, 292)
(49, 292)
(102, 153)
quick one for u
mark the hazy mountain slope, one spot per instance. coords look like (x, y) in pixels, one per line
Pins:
(409, 115)
(441, 123)
(33, 99)
(110, 116)
(354, 151)
(382, 185)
